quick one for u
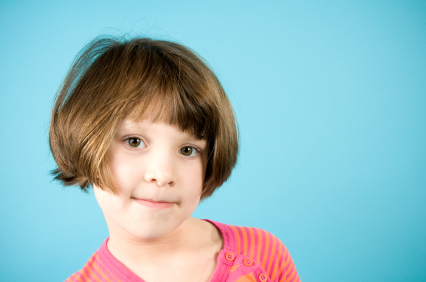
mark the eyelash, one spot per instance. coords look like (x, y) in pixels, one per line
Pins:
(196, 150)
(134, 137)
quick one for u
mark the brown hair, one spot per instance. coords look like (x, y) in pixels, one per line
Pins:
(113, 79)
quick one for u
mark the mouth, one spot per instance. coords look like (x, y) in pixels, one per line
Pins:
(154, 204)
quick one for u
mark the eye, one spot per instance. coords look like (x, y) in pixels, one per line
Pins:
(188, 151)
(135, 142)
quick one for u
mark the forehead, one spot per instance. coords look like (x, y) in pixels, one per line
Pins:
(168, 108)
(152, 107)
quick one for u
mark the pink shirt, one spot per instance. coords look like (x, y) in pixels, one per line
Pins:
(249, 255)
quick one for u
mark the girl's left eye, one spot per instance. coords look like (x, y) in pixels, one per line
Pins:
(188, 151)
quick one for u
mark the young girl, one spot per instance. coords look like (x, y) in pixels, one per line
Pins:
(147, 124)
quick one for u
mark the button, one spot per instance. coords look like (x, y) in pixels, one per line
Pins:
(248, 261)
(263, 277)
(230, 256)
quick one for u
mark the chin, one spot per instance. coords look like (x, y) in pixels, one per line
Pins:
(152, 231)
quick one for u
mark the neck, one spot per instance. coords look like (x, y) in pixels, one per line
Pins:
(184, 240)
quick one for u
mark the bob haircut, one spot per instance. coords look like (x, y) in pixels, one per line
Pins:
(114, 79)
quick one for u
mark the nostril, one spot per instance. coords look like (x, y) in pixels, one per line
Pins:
(160, 183)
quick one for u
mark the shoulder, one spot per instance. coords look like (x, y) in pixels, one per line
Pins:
(263, 247)
(93, 270)
(85, 273)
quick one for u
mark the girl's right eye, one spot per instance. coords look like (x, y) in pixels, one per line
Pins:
(135, 142)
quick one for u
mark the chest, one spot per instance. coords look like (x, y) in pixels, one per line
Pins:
(196, 268)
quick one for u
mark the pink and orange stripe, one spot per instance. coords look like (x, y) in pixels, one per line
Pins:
(268, 251)
(270, 260)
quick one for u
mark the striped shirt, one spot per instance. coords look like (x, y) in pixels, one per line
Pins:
(249, 255)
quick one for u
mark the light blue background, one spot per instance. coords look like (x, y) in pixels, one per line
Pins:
(331, 102)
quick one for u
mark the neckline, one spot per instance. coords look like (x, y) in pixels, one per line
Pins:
(122, 273)
(229, 239)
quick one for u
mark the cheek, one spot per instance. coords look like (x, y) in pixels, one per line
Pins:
(193, 179)
(108, 202)
(125, 171)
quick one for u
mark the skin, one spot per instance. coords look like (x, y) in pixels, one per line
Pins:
(155, 162)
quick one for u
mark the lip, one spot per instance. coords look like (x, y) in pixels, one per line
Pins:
(154, 204)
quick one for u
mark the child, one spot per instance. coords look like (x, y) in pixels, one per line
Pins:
(147, 124)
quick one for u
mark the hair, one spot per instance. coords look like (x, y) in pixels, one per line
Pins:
(114, 79)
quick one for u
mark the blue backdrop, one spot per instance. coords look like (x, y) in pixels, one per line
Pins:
(331, 102)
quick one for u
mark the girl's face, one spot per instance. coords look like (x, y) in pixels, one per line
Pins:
(159, 172)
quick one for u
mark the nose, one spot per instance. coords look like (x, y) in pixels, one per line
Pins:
(160, 171)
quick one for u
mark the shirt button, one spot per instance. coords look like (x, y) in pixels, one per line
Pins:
(248, 261)
(263, 277)
(230, 256)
